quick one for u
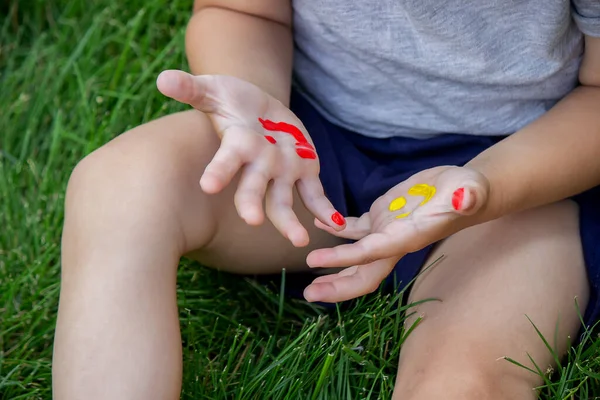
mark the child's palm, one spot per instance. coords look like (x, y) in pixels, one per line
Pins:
(266, 141)
(425, 208)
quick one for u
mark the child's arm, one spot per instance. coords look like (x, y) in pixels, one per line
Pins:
(241, 54)
(555, 157)
(251, 40)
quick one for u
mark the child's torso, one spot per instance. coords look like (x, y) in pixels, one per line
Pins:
(423, 67)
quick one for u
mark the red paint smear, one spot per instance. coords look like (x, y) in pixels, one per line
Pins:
(457, 198)
(287, 128)
(338, 218)
(306, 153)
(271, 139)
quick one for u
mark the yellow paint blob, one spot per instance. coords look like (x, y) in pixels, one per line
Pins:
(422, 189)
(397, 204)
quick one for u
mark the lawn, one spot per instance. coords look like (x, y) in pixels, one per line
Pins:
(74, 74)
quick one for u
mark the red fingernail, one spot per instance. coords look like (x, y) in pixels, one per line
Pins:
(457, 198)
(271, 139)
(338, 218)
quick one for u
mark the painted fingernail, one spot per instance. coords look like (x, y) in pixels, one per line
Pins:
(457, 198)
(338, 218)
(271, 139)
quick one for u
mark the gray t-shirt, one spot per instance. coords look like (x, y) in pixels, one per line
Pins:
(418, 68)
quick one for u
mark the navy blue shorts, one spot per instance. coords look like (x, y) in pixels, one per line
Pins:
(356, 170)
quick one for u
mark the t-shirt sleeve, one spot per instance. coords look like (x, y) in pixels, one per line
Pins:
(586, 14)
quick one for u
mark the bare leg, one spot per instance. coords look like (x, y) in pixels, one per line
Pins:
(494, 275)
(133, 208)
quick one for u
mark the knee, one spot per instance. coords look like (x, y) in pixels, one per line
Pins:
(148, 166)
(140, 181)
(114, 181)
(463, 386)
(455, 371)
(466, 382)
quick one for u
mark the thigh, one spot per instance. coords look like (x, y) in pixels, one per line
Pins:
(178, 147)
(492, 279)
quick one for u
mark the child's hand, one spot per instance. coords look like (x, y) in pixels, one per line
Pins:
(266, 141)
(429, 206)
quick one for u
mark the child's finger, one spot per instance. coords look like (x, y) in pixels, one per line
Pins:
(375, 246)
(279, 202)
(356, 228)
(197, 91)
(251, 190)
(221, 170)
(312, 195)
(466, 201)
(350, 283)
(238, 146)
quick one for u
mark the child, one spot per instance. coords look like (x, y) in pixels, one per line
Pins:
(465, 125)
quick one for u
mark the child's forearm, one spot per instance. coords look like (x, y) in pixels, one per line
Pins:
(249, 40)
(553, 158)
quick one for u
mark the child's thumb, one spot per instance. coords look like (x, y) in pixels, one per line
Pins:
(468, 199)
(196, 91)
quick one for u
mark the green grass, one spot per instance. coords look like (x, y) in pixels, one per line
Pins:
(73, 74)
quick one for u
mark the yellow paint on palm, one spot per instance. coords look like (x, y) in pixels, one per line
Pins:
(397, 204)
(403, 215)
(421, 189)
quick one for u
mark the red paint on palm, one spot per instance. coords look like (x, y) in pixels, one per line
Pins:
(457, 198)
(338, 218)
(271, 139)
(306, 153)
(290, 129)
